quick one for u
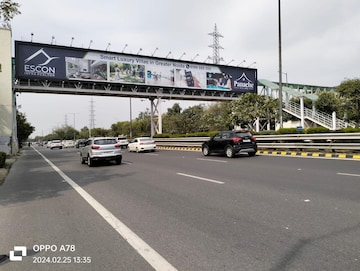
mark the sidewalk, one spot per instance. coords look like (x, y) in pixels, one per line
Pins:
(8, 163)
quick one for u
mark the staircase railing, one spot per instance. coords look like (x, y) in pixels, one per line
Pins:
(318, 117)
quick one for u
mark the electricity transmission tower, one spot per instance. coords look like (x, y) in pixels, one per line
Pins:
(216, 46)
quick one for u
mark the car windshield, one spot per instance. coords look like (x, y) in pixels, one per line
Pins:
(243, 134)
(105, 141)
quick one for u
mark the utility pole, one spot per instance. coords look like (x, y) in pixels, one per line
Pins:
(280, 70)
(92, 116)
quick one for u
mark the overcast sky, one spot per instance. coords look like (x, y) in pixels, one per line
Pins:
(320, 44)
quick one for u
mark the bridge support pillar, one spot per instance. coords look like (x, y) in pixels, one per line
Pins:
(8, 130)
(156, 118)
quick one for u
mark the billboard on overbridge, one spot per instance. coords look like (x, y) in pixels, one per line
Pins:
(60, 63)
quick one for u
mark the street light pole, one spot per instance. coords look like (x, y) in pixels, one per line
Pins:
(130, 119)
(280, 69)
(74, 122)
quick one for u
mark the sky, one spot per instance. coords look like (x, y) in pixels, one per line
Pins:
(320, 44)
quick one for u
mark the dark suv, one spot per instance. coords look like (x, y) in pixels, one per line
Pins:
(231, 143)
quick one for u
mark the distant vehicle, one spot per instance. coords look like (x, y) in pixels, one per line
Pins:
(140, 144)
(56, 144)
(68, 143)
(231, 143)
(101, 149)
(122, 140)
(80, 143)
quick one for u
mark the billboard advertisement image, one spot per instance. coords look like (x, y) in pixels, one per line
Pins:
(51, 62)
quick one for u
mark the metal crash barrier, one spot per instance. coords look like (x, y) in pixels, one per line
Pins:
(333, 142)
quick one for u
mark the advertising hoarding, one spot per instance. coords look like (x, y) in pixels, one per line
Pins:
(52, 62)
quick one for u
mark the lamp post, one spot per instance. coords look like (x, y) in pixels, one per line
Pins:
(74, 122)
(182, 55)
(154, 51)
(194, 57)
(124, 48)
(280, 68)
(241, 63)
(230, 62)
(130, 119)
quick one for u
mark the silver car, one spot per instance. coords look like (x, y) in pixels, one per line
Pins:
(101, 149)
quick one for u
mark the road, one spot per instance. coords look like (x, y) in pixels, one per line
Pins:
(179, 210)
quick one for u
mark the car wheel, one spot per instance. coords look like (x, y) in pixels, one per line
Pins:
(252, 153)
(118, 161)
(229, 152)
(205, 151)
(90, 161)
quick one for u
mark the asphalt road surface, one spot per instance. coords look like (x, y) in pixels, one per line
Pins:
(179, 210)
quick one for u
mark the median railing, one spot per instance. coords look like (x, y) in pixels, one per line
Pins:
(348, 142)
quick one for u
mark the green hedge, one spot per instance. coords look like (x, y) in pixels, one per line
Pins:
(2, 159)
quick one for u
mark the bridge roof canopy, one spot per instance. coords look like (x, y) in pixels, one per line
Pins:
(290, 91)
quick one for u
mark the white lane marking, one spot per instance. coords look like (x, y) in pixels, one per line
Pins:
(154, 154)
(348, 174)
(212, 160)
(147, 252)
(200, 178)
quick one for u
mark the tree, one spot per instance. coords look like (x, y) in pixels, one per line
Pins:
(24, 129)
(327, 102)
(215, 117)
(172, 120)
(8, 10)
(191, 119)
(349, 92)
(251, 106)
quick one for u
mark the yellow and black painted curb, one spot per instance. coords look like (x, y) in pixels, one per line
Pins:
(282, 153)
(311, 154)
(178, 148)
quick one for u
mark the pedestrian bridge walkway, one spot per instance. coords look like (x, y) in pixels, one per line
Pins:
(298, 110)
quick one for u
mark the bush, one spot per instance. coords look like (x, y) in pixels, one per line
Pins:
(2, 159)
(317, 130)
(284, 131)
(351, 130)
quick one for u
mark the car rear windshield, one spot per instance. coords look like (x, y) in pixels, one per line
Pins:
(105, 141)
(145, 139)
(243, 134)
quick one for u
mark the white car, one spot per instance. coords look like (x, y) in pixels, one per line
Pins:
(140, 144)
(122, 140)
(56, 144)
